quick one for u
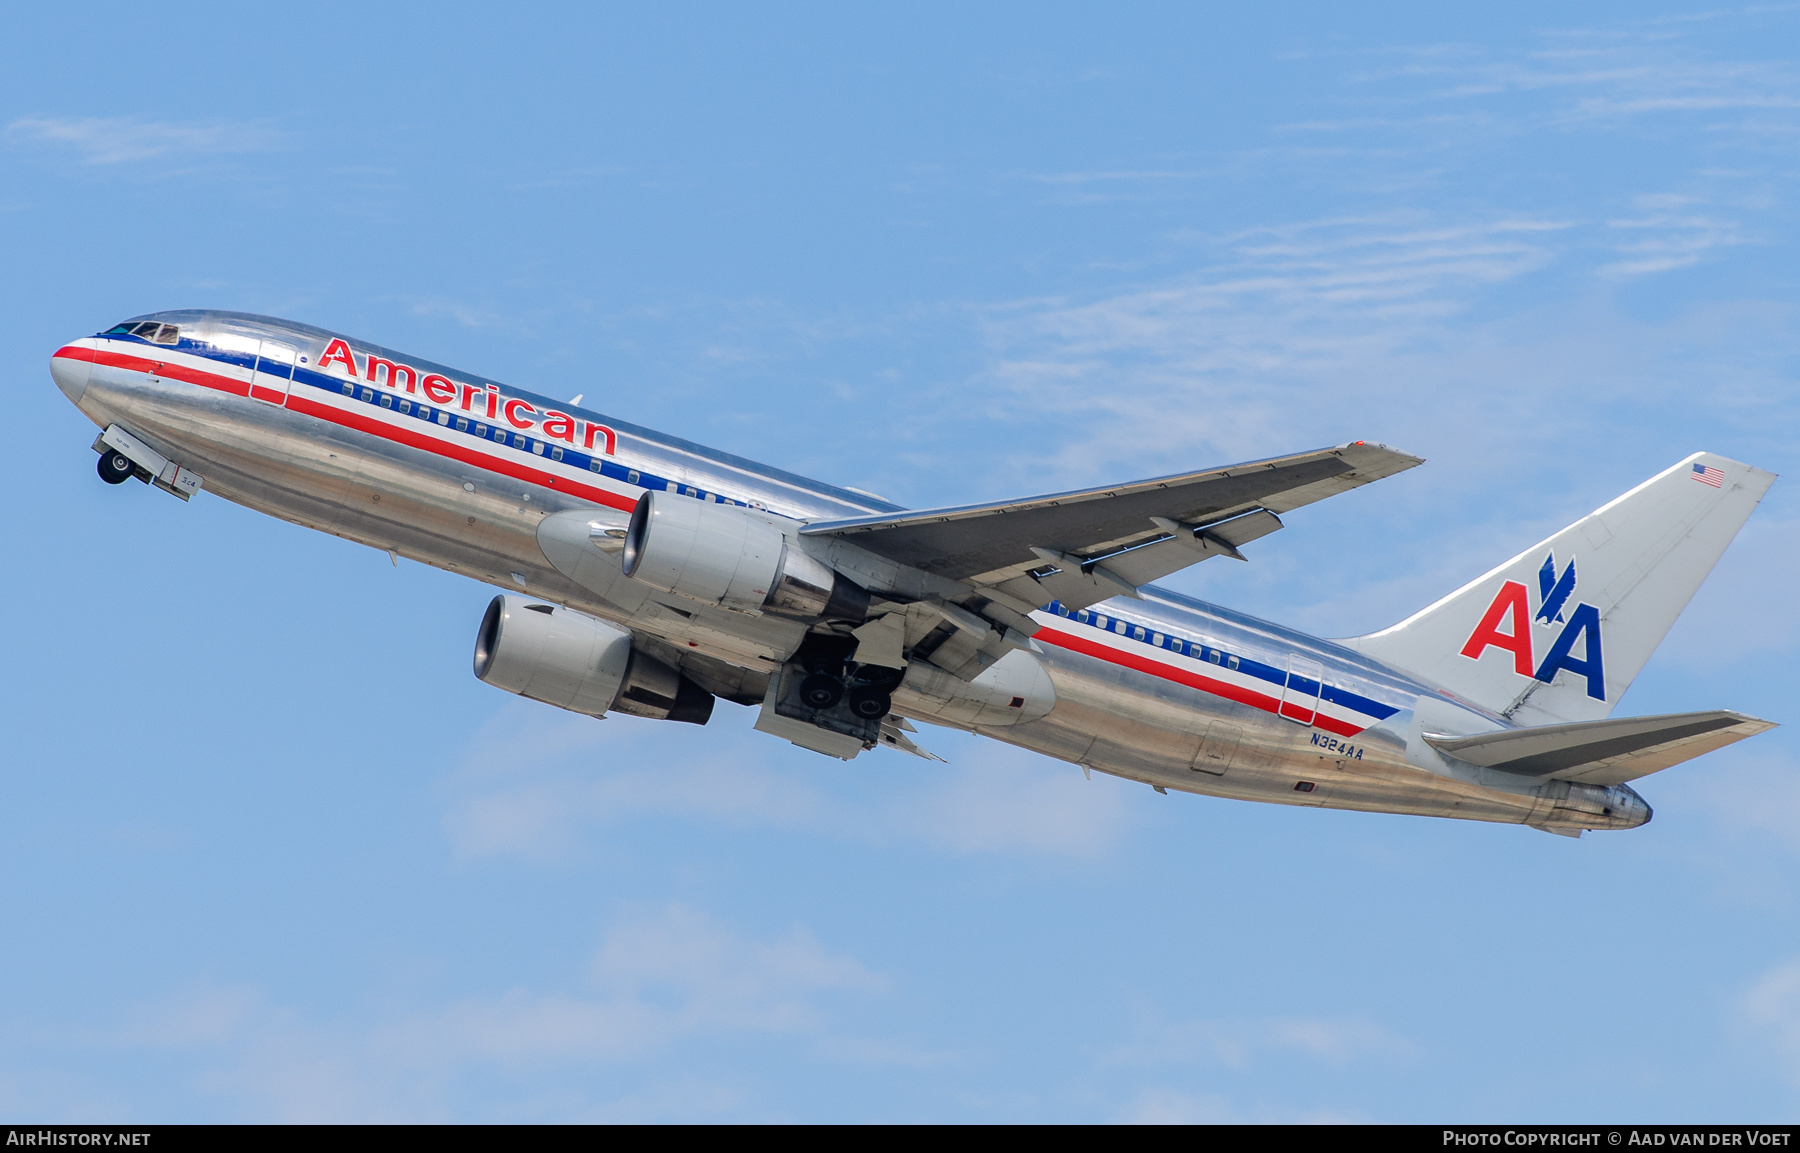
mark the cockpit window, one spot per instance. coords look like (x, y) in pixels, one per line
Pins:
(152, 330)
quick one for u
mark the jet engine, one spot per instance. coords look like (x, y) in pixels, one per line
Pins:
(579, 663)
(738, 558)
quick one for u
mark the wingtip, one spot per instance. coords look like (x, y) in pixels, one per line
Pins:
(1745, 719)
(1404, 459)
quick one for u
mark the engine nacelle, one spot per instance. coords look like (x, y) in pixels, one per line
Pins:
(577, 662)
(738, 558)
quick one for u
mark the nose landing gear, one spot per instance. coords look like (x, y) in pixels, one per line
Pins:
(123, 455)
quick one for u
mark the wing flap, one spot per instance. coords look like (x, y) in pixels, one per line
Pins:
(1078, 582)
(1609, 752)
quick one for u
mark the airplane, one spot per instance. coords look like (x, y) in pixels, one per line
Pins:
(649, 576)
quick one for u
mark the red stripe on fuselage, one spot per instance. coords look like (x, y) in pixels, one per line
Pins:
(1193, 680)
(380, 428)
(169, 371)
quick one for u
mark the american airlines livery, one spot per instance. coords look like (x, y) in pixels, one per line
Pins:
(650, 576)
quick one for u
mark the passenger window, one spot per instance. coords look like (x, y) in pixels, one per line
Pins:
(462, 424)
(424, 413)
(349, 389)
(444, 419)
(1213, 656)
(556, 454)
(481, 430)
(406, 406)
(537, 446)
(1119, 627)
(1232, 661)
(1156, 639)
(596, 466)
(387, 401)
(631, 477)
(368, 394)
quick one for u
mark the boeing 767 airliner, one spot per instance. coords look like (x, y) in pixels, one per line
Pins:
(650, 576)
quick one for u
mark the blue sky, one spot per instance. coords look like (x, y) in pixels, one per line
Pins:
(269, 851)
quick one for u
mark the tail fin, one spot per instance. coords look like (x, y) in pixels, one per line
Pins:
(1559, 632)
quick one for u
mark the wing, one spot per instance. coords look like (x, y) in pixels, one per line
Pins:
(1085, 546)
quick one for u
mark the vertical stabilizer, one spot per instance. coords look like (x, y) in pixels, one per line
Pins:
(1559, 632)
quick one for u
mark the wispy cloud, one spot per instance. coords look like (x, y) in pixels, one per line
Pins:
(1123, 176)
(659, 980)
(1236, 1044)
(1235, 357)
(1613, 72)
(1174, 1107)
(1772, 1006)
(1669, 232)
(1461, 340)
(1753, 788)
(548, 804)
(126, 140)
(668, 975)
(1180, 1107)
(462, 313)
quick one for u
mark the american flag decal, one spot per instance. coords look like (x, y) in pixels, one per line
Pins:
(1706, 474)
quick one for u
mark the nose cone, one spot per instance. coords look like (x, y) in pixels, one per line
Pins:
(70, 368)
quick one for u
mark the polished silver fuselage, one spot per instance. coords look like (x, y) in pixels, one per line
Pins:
(1114, 711)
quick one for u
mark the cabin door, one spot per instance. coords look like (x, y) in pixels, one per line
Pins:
(274, 372)
(1300, 695)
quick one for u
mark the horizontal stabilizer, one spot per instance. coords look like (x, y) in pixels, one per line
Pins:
(1608, 752)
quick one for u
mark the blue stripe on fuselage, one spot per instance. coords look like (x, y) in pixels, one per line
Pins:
(1197, 650)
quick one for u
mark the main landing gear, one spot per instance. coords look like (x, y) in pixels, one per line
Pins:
(830, 675)
(115, 468)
